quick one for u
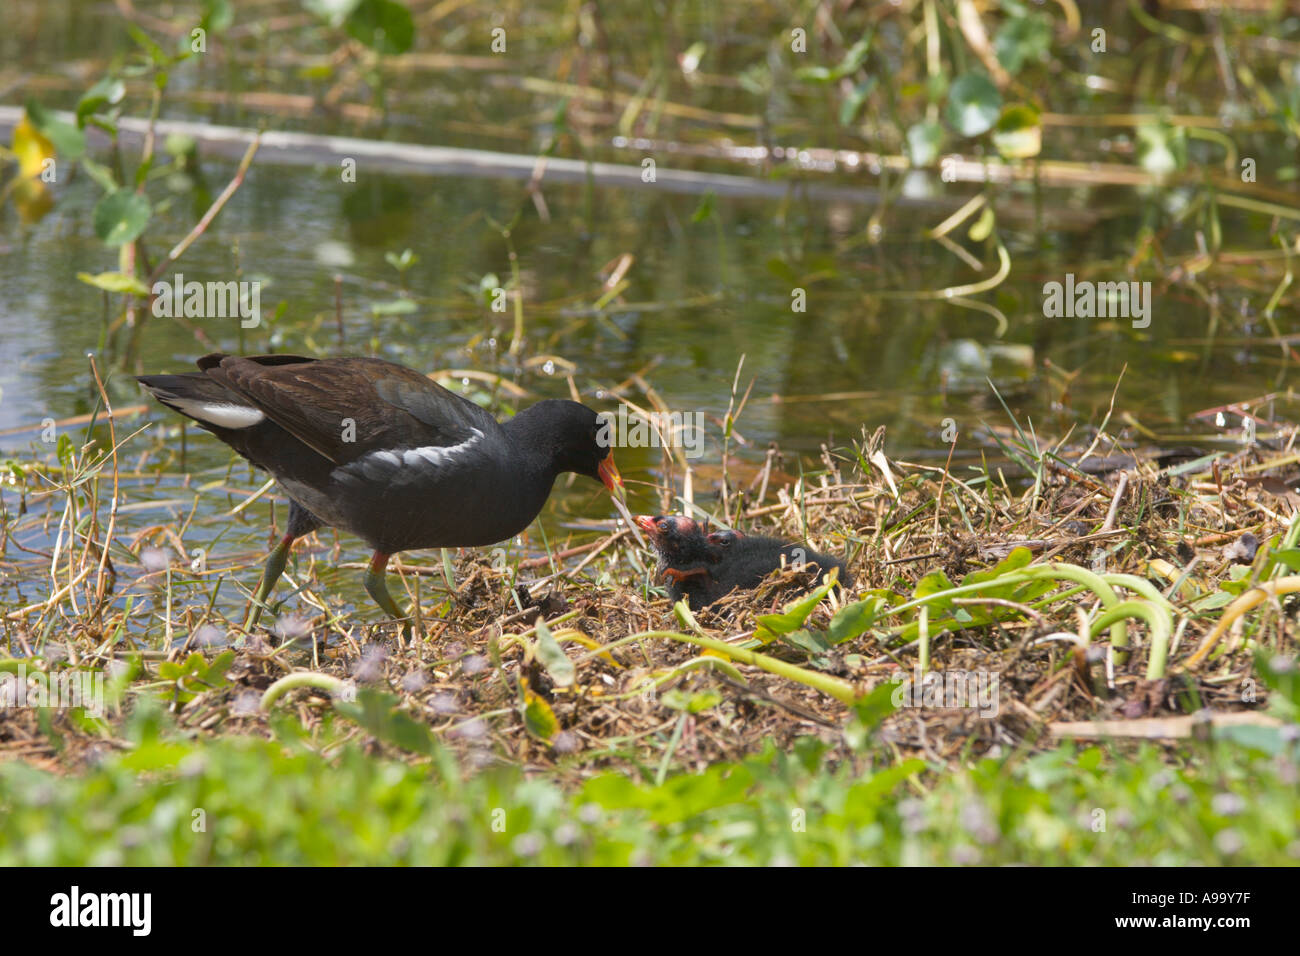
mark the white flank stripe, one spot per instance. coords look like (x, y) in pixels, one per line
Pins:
(435, 454)
(374, 464)
(223, 415)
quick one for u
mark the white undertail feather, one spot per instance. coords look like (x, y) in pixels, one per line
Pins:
(221, 414)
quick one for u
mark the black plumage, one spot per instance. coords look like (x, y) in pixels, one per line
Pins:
(748, 559)
(705, 566)
(380, 450)
(686, 557)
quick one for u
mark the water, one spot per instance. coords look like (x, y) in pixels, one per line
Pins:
(703, 290)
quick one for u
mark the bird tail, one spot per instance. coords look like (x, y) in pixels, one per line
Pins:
(199, 397)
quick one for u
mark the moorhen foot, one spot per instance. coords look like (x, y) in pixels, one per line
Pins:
(380, 450)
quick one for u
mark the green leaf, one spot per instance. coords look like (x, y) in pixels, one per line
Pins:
(1022, 40)
(218, 15)
(107, 92)
(792, 618)
(973, 104)
(1282, 675)
(379, 714)
(1019, 133)
(705, 208)
(874, 707)
(923, 143)
(69, 142)
(121, 216)
(403, 262)
(813, 642)
(114, 282)
(853, 59)
(383, 25)
(853, 103)
(539, 719)
(853, 620)
(195, 675)
(553, 658)
(101, 174)
(695, 703)
(393, 307)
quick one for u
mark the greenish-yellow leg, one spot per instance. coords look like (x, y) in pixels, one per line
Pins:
(275, 562)
(378, 590)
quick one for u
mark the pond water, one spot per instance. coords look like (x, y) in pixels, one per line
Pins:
(711, 281)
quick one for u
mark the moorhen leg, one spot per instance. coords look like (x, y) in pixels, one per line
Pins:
(301, 522)
(378, 590)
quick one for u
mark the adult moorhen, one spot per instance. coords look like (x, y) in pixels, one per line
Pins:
(379, 450)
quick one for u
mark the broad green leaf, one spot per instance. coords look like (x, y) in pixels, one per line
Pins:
(121, 216)
(553, 658)
(874, 707)
(813, 642)
(383, 25)
(539, 719)
(378, 713)
(853, 620)
(973, 104)
(107, 92)
(218, 15)
(1019, 133)
(792, 618)
(693, 703)
(69, 142)
(923, 143)
(114, 282)
(1023, 39)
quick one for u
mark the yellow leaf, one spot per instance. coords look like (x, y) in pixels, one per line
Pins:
(32, 149)
(539, 719)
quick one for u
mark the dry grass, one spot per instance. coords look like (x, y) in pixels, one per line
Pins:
(478, 653)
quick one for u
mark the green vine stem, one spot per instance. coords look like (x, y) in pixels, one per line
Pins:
(297, 679)
(1245, 602)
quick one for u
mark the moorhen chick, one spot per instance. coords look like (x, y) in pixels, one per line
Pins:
(687, 556)
(382, 451)
(745, 560)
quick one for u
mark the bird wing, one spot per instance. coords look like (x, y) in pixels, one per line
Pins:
(345, 409)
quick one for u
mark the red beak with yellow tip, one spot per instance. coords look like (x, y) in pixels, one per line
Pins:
(608, 472)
